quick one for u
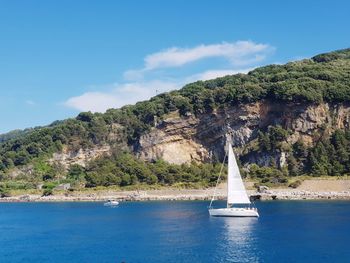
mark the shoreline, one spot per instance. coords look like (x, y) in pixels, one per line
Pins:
(310, 189)
(178, 195)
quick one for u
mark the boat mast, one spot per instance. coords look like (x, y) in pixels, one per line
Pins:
(229, 164)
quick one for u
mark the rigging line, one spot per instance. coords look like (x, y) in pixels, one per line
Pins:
(217, 181)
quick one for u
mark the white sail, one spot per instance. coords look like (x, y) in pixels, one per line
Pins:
(236, 193)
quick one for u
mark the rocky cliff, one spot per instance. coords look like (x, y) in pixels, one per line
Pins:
(201, 139)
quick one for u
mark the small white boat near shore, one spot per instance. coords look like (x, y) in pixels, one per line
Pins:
(111, 203)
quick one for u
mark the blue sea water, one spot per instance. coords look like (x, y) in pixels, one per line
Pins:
(287, 231)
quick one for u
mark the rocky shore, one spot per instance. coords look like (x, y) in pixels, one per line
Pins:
(300, 195)
(310, 189)
(173, 195)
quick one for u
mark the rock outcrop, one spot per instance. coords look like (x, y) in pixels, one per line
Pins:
(81, 157)
(174, 140)
(185, 139)
(177, 139)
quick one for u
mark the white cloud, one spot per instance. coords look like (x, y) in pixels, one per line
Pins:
(241, 57)
(120, 95)
(238, 53)
(132, 92)
(92, 101)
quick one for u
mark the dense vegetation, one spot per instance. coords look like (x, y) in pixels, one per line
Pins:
(325, 77)
(120, 169)
(329, 156)
(124, 169)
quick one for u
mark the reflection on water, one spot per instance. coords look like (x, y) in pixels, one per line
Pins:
(238, 242)
(239, 229)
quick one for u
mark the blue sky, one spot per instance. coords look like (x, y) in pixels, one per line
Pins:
(58, 58)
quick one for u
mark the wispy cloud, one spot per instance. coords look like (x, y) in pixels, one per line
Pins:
(241, 57)
(92, 101)
(120, 95)
(238, 53)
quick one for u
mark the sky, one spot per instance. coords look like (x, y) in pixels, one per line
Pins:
(58, 58)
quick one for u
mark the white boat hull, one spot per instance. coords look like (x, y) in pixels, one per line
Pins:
(234, 212)
(112, 203)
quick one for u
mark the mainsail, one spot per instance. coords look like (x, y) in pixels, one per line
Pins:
(236, 193)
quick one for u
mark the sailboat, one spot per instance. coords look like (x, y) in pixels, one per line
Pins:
(238, 203)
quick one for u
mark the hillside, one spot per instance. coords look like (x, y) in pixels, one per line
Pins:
(288, 120)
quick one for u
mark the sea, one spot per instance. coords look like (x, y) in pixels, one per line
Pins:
(173, 231)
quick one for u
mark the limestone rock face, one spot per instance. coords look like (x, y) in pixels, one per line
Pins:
(202, 138)
(184, 139)
(81, 157)
(173, 141)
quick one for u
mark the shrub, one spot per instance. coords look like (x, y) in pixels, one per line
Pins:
(4, 192)
(295, 184)
(47, 192)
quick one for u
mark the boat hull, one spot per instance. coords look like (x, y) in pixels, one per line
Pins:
(234, 212)
(113, 203)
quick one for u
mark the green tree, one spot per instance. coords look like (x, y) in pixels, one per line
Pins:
(264, 141)
(293, 166)
(76, 172)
